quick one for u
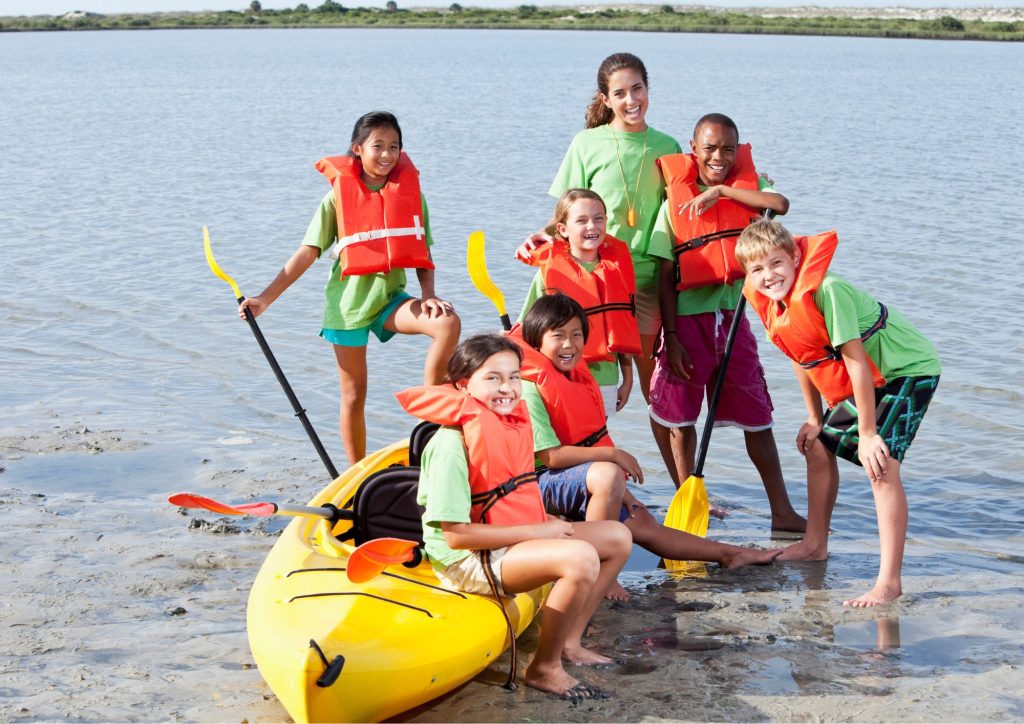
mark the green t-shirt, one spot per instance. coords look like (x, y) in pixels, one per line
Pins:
(593, 162)
(899, 350)
(544, 436)
(444, 492)
(607, 372)
(702, 299)
(355, 301)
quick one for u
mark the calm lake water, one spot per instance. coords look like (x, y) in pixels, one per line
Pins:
(118, 146)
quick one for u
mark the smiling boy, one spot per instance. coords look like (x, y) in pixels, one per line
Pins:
(876, 372)
(713, 193)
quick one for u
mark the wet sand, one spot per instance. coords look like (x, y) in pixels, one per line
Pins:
(131, 609)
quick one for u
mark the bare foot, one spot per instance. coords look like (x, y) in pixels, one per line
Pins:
(750, 557)
(582, 656)
(553, 681)
(617, 593)
(801, 551)
(792, 523)
(875, 597)
(715, 512)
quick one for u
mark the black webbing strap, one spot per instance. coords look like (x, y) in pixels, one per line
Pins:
(485, 560)
(832, 354)
(489, 497)
(612, 307)
(699, 241)
(593, 438)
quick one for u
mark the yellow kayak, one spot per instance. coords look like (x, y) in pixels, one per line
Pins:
(333, 650)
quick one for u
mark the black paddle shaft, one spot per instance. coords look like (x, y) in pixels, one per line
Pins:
(300, 412)
(709, 423)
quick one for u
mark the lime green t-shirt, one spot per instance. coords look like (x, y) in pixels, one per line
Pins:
(355, 301)
(898, 350)
(444, 492)
(544, 436)
(593, 162)
(702, 299)
(606, 372)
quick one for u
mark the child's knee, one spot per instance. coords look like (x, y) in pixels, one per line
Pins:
(604, 478)
(448, 327)
(353, 393)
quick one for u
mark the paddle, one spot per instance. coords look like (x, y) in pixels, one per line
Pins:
(690, 507)
(476, 260)
(260, 509)
(371, 558)
(300, 412)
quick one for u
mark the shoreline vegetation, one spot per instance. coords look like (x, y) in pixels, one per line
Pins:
(934, 24)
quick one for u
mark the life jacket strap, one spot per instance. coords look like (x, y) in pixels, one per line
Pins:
(416, 230)
(593, 438)
(699, 241)
(492, 580)
(629, 306)
(832, 354)
(489, 497)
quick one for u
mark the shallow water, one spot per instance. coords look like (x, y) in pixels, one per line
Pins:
(126, 375)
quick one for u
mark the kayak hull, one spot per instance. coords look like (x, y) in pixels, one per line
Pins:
(402, 638)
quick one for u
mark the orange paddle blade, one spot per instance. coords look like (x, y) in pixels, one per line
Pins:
(191, 500)
(372, 557)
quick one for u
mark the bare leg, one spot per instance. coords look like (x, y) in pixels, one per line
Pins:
(410, 318)
(678, 545)
(581, 567)
(891, 509)
(606, 482)
(822, 488)
(764, 454)
(351, 363)
(645, 364)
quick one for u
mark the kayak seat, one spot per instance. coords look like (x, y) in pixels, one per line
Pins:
(418, 440)
(385, 506)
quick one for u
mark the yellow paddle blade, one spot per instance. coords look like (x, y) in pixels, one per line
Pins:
(689, 510)
(477, 262)
(214, 267)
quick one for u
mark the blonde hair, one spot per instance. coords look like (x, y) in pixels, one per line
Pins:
(760, 239)
(565, 201)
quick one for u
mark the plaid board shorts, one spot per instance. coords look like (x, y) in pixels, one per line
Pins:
(899, 408)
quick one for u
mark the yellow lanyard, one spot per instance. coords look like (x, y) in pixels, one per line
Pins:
(630, 205)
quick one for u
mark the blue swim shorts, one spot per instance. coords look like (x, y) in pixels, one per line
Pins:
(360, 337)
(564, 491)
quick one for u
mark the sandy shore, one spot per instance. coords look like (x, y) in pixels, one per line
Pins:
(128, 609)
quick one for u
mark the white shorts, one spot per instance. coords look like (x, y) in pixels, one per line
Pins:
(468, 574)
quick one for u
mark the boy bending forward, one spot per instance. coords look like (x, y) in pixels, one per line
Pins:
(876, 372)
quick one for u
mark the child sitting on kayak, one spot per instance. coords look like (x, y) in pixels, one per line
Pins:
(713, 192)
(584, 475)
(379, 218)
(875, 371)
(484, 525)
(597, 271)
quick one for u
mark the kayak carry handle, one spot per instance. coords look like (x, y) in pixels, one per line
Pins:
(332, 670)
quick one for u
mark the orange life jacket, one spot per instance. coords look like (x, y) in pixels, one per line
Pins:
(607, 294)
(377, 230)
(499, 451)
(797, 326)
(705, 246)
(574, 403)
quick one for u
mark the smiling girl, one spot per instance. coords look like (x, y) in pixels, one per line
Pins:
(484, 525)
(374, 224)
(615, 156)
(595, 270)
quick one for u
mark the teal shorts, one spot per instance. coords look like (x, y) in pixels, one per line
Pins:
(360, 337)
